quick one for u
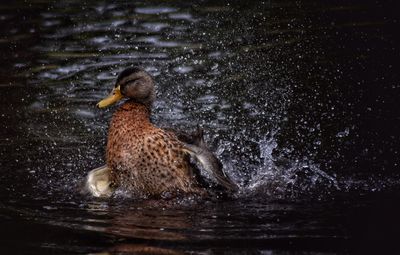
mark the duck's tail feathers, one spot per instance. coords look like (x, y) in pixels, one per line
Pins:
(98, 182)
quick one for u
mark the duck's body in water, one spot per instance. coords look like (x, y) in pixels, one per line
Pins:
(144, 160)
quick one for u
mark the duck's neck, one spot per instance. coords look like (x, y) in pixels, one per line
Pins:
(139, 111)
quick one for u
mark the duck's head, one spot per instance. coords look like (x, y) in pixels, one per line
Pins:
(133, 83)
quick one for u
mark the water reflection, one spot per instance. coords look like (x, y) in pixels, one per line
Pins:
(142, 249)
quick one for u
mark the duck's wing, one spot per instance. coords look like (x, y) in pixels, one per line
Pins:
(195, 146)
(98, 182)
(211, 164)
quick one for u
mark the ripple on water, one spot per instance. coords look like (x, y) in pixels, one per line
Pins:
(155, 40)
(155, 26)
(182, 16)
(85, 113)
(183, 69)
(155, 10)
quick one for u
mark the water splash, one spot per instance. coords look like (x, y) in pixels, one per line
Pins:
(278, 177)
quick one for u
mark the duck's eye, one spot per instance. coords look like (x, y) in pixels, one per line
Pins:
(130, 81)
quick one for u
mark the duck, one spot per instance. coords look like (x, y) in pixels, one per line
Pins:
(148, 161)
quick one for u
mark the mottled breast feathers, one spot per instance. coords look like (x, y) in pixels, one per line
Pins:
(144, 159)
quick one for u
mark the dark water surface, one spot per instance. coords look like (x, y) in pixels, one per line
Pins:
(299, 99)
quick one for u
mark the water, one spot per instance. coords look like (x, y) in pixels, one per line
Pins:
(298, 100)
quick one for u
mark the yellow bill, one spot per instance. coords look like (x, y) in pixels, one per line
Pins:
(114, 97)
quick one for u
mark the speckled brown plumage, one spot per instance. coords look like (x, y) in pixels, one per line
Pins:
(144, 159)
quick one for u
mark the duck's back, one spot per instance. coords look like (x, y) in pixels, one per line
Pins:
(145, 159)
